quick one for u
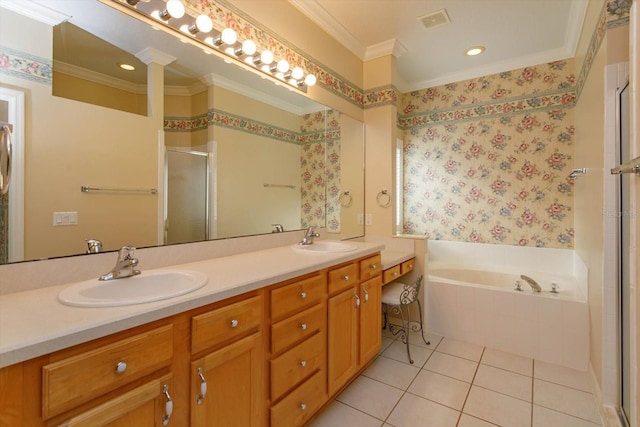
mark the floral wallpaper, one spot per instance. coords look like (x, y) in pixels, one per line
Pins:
(320, 169)
(487, 159)
(25, 65)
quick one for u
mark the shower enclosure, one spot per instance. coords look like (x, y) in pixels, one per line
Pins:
(187, 202)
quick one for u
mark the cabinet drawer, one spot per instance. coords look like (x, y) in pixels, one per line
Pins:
(343, 277)
(78, 379)
(225, 323)
(296, 364)
(407, 266)
(390, 274)
(370, 267)
(298, 327)
(297, 295)
(301, 404)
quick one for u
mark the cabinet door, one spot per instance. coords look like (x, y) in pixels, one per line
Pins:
(227, 385)
(370, 319)
(146, 406)
(342, 341)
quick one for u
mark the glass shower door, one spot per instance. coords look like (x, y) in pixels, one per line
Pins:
(187, 218)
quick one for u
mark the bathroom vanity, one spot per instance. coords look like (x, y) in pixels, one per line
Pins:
(266, 345)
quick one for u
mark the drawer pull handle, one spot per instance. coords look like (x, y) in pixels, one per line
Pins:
(410, 266)
(303, 294)
(395, 273)
(233, 323)
(374, 266)
(303, 363)
(121, 367)
(303, 406)
(203, 387)
(366, 295)
(345, 278)
(168, 406)
(303, 326)
(357, 299)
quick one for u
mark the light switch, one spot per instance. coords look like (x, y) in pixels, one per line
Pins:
(65, 218)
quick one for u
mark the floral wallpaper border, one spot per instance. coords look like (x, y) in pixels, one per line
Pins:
(25, 66)
(217, 117)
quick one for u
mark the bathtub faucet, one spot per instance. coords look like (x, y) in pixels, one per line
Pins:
(534, 285)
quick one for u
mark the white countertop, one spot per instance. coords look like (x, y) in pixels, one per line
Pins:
(393, 258)
(33, 323)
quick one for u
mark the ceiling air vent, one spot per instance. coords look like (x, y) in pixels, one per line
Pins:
(434, 19)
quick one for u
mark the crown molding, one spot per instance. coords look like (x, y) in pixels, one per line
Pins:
(34, 10)
(390, 47)
(577, 13)
(314, 11)
(99, 78)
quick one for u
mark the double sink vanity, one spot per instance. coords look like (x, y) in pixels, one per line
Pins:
(268, 339)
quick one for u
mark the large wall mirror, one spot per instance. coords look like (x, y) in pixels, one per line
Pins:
(234, 155)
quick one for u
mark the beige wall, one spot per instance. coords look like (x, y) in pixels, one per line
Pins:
(588, 198)
(69, 144)
(72, 87)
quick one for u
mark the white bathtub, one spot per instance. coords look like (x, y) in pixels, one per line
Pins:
(479, 304)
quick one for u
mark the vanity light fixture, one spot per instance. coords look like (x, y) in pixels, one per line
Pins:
(475, 50)
(225, 42)
(247, 48)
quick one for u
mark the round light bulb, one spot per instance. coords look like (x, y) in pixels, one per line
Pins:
(249, 47)
(297, 73)
(473, 51)
(266, 57)
(204, 23)
(283, 66)
(228, 36)
(310, 80)
(175, 8)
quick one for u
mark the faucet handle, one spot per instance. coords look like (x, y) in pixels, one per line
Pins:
(518, 286)
(126, 253)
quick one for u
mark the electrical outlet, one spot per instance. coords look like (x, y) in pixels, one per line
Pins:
(360, 219)
(368, 220)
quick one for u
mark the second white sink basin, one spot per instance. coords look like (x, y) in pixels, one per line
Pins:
(147, 287)
(326, 246)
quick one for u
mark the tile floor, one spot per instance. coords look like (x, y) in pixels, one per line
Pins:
(454, 383)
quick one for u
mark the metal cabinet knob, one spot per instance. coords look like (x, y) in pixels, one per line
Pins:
(233, 323)
(303, 294)
(303, 406)
(345, 278)
(121, 367)
(303, 326)
(374, 266)
(303, 363)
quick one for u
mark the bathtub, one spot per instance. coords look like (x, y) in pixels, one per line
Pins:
(479, 304)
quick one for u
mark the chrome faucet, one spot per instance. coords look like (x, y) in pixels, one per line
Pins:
(93, 246)
(309, 235)
(278, 228)
(534, 285)
(124, 265)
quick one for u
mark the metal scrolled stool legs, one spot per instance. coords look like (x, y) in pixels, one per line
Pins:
(398, 297)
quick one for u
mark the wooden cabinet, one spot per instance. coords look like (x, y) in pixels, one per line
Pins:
(392, 273)
(149, 405)
(354, 314)
(227, 383)
(298, 349)
(273, 356)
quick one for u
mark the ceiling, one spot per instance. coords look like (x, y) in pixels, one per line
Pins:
(516, 33)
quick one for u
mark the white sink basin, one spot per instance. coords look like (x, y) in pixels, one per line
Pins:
(326, 246)
(146, 287)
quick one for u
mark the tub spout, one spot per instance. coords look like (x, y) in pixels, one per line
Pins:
(534, 285)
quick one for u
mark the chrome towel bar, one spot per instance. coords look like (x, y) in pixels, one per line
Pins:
(632, 166)
(86, 189)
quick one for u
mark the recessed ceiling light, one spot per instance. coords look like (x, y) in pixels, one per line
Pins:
(127, 67)
(475, 50)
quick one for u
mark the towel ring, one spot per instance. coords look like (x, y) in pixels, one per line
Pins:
(383, 198)
(345, 199)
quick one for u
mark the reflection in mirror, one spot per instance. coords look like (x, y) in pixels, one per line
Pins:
(268, 163)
